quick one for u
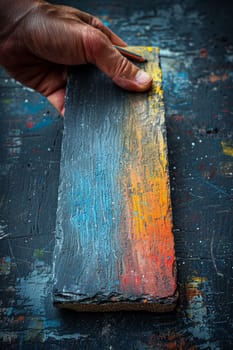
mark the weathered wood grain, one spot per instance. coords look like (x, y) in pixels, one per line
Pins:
(114, 246)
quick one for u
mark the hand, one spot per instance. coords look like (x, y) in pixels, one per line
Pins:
(39, 40)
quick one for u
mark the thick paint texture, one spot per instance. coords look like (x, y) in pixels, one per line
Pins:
(114, 224)
(146, 228)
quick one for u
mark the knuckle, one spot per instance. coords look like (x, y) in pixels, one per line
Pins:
(94, 43)
(96, 22)
(121, 68)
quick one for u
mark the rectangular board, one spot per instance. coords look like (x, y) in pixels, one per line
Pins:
(114, 242)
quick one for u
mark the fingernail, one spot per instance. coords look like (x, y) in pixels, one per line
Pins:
(142, 77)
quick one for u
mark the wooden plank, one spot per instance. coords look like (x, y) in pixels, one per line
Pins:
(114, 247)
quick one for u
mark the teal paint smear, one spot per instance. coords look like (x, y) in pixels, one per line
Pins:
(31, 108)
(45, 122)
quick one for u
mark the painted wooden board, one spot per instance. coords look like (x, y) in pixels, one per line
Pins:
(114, 241)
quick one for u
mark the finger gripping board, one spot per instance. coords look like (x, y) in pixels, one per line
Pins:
(114, 243)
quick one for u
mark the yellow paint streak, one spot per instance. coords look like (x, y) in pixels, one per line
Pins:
(226, 169)
(196, 308)
(149, 183)
(227, 148)
(193, 287)
(198, 280)
(149, 201)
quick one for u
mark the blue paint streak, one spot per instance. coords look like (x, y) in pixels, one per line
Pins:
(103, 17)
(9, 311)
(106, 23)
(94, 200)
(30, 108)
(177, 83)
(45, 122)
(217, 188)
(51, 323)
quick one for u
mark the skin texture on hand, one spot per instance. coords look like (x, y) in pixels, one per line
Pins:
(39, 40)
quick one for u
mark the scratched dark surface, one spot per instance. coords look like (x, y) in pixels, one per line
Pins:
(196, 41)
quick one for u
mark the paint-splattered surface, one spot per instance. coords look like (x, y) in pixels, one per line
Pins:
(114, 241)
(196, 41)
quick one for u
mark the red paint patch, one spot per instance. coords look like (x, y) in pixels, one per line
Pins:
(190, 132)
(30, 123)
(203, 53)
(213, 173)
(202, 167)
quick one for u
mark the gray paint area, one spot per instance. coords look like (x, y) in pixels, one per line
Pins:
(196, 42)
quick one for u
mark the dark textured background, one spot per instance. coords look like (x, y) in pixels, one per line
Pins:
(196, 41)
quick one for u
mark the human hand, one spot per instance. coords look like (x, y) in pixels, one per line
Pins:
(39, 40)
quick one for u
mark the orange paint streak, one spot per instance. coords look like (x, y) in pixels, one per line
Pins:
(215, 78)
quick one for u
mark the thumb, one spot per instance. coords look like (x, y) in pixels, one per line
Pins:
(100, 51)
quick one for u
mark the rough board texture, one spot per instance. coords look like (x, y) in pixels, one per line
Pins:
(114, 247)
